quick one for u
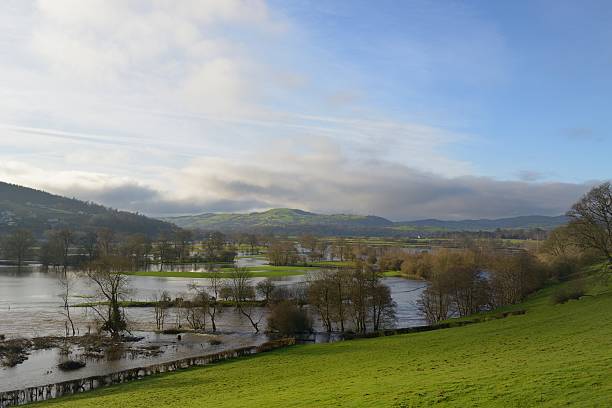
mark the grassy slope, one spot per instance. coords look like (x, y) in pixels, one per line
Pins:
(554, 355)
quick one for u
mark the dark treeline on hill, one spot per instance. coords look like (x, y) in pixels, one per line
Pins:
(298, 222)
(38, 211)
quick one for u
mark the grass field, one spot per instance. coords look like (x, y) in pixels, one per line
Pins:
(554, 355)
(262, 271)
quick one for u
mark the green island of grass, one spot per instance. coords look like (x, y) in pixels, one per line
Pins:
(553, 355)
(262, 271)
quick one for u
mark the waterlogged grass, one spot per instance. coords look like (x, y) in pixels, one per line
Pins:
(554, 355)
(262, 271)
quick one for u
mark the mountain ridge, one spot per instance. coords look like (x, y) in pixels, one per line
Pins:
(292, 219)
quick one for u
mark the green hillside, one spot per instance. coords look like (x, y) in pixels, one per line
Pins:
(279, 218)
(293, 221)
(38, 211)
(554, 355)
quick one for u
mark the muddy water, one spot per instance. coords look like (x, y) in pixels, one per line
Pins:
(30, 306)
(41, 366)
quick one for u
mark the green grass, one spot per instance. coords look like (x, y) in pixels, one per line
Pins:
(554, 355)
(262, 271)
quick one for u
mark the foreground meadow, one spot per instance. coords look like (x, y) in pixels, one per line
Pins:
(554, 355)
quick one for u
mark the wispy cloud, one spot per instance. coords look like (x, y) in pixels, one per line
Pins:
(192, 106)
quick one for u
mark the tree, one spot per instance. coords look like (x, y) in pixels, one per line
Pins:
(321, 293)
(88, 244)
(18, 245)
(161, 304)
(182, 239)
(286, 319)
(252, 241)
(513, 277)
(282, 253)
(66, 283)
(592, 221)
(382, 306)
(112, 287)
(106, 237)
(265, 288)
(65, 238)
(211, 294)
(243, 295)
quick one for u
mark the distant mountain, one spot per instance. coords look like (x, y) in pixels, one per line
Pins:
(293, 221)
(522, 222)
(38, 211)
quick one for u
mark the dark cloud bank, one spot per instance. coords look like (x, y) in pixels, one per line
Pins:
(391, 191)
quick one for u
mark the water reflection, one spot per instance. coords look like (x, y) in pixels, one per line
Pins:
(30, 306)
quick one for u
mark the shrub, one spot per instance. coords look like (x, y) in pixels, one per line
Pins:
(71, 365)
(287, 319)
(563, 295)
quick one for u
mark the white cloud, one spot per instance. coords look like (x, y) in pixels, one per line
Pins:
(166, 106)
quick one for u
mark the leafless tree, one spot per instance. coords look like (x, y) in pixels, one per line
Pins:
(592, 221)
(18, 245)
(321, 291)
(243, 295)
(112, 287)
(161, 304)
(66, 282)
(265, 288)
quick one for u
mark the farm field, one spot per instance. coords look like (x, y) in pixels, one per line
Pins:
(553, 355)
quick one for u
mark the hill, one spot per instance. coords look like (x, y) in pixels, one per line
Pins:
(38, 211)
(293, 221)
(553, 355)
(283, 220)
(522, 222)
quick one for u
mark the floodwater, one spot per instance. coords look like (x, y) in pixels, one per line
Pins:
(30, 306)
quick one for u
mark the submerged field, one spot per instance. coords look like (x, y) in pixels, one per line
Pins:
(553, 355)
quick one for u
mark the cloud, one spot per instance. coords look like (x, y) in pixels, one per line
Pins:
(172, 107)
(530, 175)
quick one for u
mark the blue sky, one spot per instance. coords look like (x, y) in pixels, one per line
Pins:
(405, 109)
(529, 80)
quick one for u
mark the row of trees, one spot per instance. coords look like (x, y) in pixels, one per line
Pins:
(466, 282)
(62, 248)
(354, 297)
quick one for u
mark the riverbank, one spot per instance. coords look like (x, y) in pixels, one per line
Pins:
(553, 355)
(60, 389)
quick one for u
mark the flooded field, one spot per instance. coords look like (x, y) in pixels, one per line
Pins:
(30, 306)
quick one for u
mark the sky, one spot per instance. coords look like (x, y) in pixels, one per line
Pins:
(403, 109)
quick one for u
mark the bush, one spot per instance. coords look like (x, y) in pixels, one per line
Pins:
(71, 365)
(287, 319)
(563, 295)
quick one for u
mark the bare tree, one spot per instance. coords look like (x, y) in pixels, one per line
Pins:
(243, 295)
(382, 306)
(112, 287)
(196, 310)
(18, 245)
(592, 221)
(66, 283)
(161, 304)
(212, 294)
(321, 291)
(265, 288)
